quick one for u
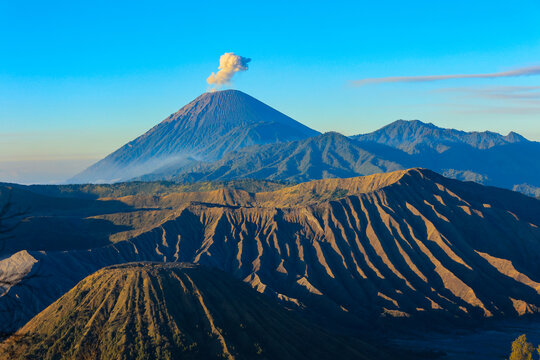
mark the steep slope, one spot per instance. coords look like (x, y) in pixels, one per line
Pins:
(173, 311)
(209, 126)
(330, 155)
(416, 136)
(410, 244)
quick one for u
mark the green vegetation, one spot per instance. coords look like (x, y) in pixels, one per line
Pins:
(522, 349)
(328, 194)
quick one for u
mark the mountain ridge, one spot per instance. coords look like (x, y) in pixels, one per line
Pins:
(411, 245)
(329, 155)
(510, 164)
(413, 136)
(230, 135)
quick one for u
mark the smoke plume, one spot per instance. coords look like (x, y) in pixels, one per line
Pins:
(229, 64)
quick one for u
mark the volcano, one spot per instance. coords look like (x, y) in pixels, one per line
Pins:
(208, 127)
(173, 311)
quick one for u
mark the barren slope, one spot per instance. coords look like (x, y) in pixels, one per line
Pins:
(405, 244)
(173, 311)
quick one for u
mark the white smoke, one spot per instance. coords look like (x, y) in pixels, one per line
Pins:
(229, 64)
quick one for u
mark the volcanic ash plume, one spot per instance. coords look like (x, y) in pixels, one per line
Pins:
(229, 64)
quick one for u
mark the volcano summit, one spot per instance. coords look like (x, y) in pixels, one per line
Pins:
(206, 128)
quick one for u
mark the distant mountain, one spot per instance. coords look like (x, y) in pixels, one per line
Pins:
(206, 128)
(416, 137)
(409, 245)
(173, 311)
(489, 158)
(228, 135)
(330, 155)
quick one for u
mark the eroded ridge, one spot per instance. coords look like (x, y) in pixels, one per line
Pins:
(409, 244)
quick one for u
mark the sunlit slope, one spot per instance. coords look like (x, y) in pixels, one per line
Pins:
(409, 244)
(173, 311)
(413, 243)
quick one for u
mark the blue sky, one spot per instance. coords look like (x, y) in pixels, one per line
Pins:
(79, 79)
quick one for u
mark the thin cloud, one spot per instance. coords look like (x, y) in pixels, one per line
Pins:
(491, 89)
(500, 110)
(527, 71)
(525, 93)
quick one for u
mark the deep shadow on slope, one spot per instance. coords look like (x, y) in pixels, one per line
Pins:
(52, 223)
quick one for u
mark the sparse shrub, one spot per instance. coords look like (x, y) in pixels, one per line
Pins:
(522, 349)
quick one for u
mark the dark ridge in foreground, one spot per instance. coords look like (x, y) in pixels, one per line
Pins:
(173, 311)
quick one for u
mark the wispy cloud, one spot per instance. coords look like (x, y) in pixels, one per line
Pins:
(521, 93)
(500, 110)
(526, 71)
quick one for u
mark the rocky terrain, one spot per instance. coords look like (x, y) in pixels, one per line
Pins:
(277, 241)
(409, 245)
(172, 311)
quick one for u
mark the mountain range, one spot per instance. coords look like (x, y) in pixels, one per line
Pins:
(227, 135)
(410, 245)
(330, 155)
(415, 137)
(231, 231)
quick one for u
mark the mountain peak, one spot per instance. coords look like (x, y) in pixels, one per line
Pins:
(223, 95)
(414, 136)
(209, 126)
(228, 106)
(515, 137)
(411, 123)
(226, 91)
